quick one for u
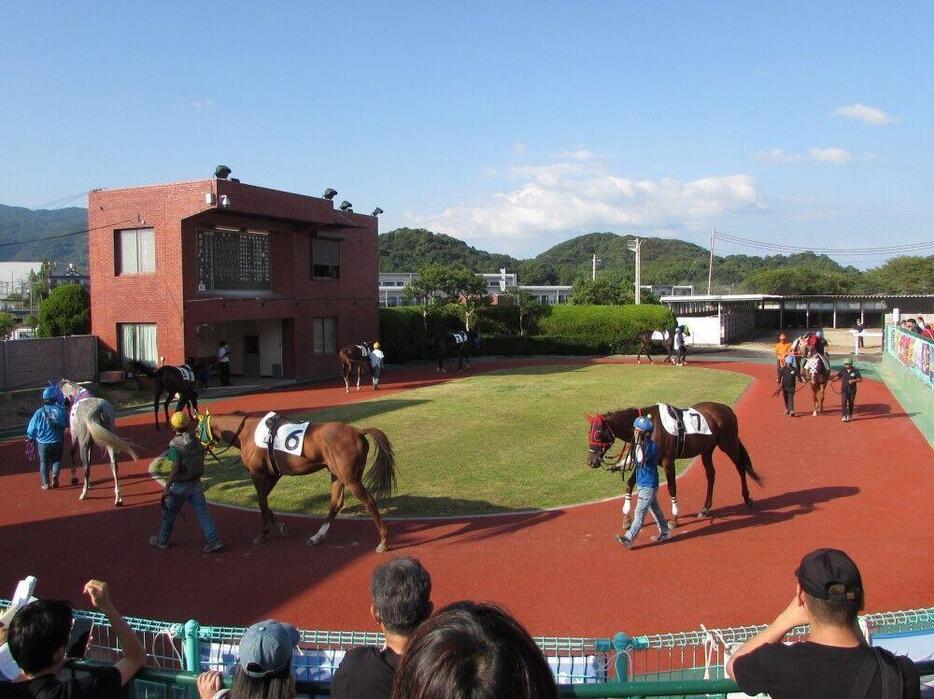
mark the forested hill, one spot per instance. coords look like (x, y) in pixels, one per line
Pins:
(20, 224)
(664, 260)
(407, 249)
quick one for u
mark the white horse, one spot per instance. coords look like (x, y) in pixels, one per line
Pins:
(91, 420)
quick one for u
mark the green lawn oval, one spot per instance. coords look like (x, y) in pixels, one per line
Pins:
(502, 441)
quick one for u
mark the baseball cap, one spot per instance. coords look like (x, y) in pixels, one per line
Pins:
(266, 648)
(827, 573)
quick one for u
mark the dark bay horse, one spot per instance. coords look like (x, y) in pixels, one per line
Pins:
(607, 428)
(169, 380)
(91, 421)
(340, 448)
(352, 357)
(459, 343)
(647, 342)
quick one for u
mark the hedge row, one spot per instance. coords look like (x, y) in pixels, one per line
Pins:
(582, 330)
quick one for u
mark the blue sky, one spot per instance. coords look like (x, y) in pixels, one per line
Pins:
(510, 125)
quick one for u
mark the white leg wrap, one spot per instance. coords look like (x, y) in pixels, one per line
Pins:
(626, 504)
(322, 532)
(674, 507)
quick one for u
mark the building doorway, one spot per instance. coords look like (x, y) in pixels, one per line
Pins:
(251, 363)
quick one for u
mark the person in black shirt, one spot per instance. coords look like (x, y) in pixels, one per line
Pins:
(38, 637)
(401, 590)
(835, 662)
(788, 378)
(849, 376)
(860, 326)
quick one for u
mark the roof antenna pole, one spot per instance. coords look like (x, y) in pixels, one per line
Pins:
(713, 238)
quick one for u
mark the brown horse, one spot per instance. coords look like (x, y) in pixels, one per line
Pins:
(816, 375)
(170, 380)
(456, 343)
(352, 357)
(647, 342)
(606, 428)
(340, 448)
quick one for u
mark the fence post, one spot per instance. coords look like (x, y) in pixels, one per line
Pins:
(6, 370)
(64, 355)
(192, 638)
(621, 644)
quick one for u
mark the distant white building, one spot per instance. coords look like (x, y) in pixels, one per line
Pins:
(392, 288)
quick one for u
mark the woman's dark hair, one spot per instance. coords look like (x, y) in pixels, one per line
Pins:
(37, 632)
(473, 650)
(281, 686)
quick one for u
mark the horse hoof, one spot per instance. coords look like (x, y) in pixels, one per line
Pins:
(83, 496)
(382, 548)
(704, 514)
(261, 539)
(283, 531)
(314, 540)
(118, 503)
(814, 413)
(749, 505)
(74, 481)
(673, 523)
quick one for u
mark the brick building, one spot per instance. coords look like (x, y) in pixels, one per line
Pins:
(285, 278)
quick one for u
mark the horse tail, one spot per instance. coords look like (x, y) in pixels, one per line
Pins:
(746, 462)
(380, 480)
(105, 438)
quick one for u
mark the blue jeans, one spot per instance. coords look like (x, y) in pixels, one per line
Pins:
(647, 501)
(190, 492)
(49, 455)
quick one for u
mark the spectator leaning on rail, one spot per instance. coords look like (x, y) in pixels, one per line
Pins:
(835, 661)
(184, 485)
(401, 591)
(38, 639)
(47, 430)
(475, 651)
(264, 670)
(645, 453)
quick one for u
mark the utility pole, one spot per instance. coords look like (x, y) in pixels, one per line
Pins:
(636, 246)
(713, 237)
(593, 274)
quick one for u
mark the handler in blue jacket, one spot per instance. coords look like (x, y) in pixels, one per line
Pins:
(47, 429)
(646, 455)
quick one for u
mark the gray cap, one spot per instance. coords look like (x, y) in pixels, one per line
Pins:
(266, 648)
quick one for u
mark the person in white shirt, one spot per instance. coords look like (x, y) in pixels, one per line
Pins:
(376, 364)
(223, 362)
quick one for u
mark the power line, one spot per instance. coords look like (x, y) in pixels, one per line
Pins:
(65, 235)
(59, 202)
(783, 247)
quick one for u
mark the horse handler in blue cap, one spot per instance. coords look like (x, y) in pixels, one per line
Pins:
(645, 453)
(47, 430)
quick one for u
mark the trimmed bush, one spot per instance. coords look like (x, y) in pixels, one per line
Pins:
(614, 327)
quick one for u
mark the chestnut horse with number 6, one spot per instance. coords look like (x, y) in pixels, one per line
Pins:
(340, 448)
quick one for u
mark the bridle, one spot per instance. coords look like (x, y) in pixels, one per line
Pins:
(599, 447)
(206, 435)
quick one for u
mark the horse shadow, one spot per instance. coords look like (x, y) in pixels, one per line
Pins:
(764, 512)
(875, 411)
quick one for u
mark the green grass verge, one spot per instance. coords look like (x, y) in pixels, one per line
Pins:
(495, 442)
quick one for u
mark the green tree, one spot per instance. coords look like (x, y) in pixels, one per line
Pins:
(470, 288)
(526, 304)
(6, 324)
(31, 321)
(901, 275)
(797, 280)
(67, 311)
(431, 282)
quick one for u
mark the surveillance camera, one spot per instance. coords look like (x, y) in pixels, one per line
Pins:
(225, 201)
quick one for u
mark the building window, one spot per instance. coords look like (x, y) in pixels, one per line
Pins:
(230, 259)
(325, 258)
(136, 251)
(138, 343)
(325, 335)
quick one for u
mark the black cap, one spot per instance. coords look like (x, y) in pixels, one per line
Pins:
(827, 573)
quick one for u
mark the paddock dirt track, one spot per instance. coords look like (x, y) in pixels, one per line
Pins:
(862, 486)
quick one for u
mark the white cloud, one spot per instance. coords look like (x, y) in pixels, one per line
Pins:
(581, 154)
(563, 197)
(777, 155)
(864, 113)
(830, 155)
(206, 103)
